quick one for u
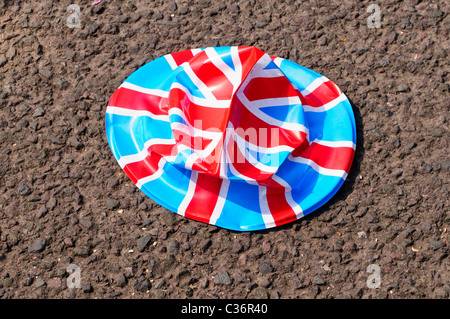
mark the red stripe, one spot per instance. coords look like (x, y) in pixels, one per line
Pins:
(210, 168)
(205, 197)
(144, 168)
(266, 88)
(164, 149)
(182, 56)
(282, 212)
(134, 100)
(213, 78)
(248, 56)
(339, 158)
(200, 117)
(326, 92)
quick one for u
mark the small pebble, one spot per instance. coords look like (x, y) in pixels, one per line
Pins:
(143, 242)
(38, 112)
(39, 283)
(120, 280)
(222, 278)
(86, 288)
(142, 284)
(318, 280)
(183, 11)
(37, 246)
(24, 190)
(265, 267)
(173, 247)
(436, 244)
(112, 204)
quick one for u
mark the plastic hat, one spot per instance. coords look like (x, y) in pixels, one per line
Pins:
(232, 137)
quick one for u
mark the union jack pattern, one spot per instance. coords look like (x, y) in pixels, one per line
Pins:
(231, 136)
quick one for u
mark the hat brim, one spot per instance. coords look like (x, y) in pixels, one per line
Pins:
(311, 178)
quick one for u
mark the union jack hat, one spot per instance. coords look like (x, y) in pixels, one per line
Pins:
(232, 137)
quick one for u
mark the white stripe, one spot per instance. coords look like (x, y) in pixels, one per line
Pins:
(181, 148)
(314, 85)
(135, 113)
(335, 143)
(278, 101)
(150, 178)
(269, 150)
(326, 106)
(220, 202)
(278, 61)
(282, 182)
(191, 160)
(213, 103)
(124, 160)
(180, 113)
(288, 194)
(263, 62)
(138, 88)
(196, 51)
(171, 61)
(264, 205)
(319, 169)
(194, 78)
(237, 62)
(269, 73)
(295, 207)
(189, 194)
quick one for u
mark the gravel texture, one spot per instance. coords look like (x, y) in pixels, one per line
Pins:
(64, 199)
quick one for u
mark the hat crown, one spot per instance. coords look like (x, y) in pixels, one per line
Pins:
(234, 114)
